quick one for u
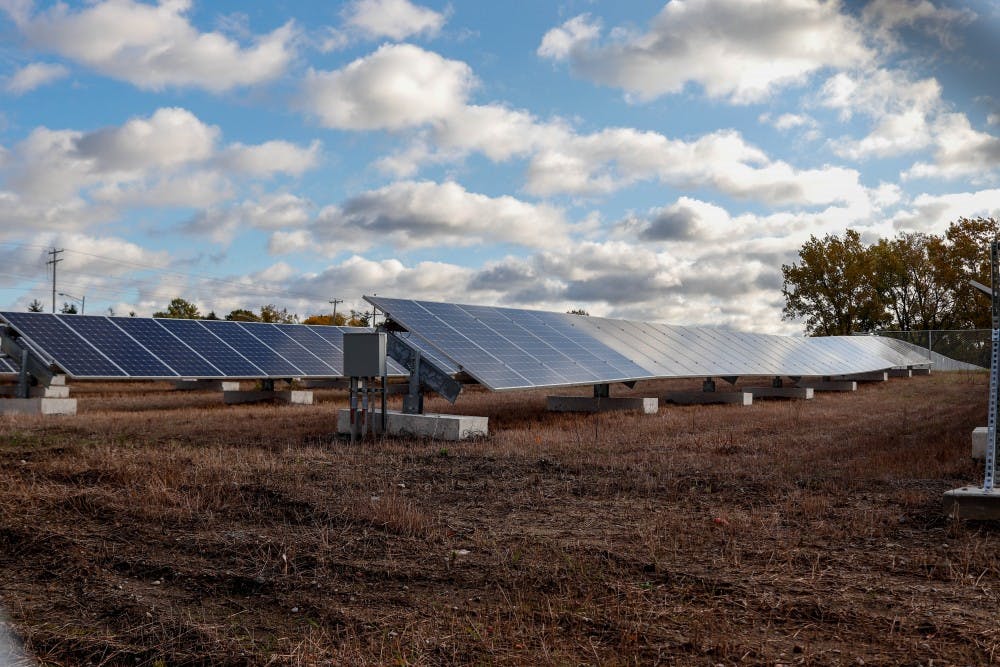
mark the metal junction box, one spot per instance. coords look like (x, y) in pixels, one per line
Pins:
(364, 354)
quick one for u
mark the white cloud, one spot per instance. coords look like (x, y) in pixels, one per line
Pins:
(933, 213)
(739, 50)
(274, 211)
(395, 19)
(34, 75)
(271, 157)
(902, 110)
(397, 86)
(961, 151)
(155, 46)
(419, 214)
(889, 15)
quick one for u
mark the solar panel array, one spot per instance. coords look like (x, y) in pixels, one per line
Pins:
(7, 364)
(96, 347)
(509, 348)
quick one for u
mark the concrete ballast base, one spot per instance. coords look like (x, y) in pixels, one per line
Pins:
(829, 385)
(920, 371)
(980, 436)
(435, 426)
(56, 391)
(294, 397)
(38, 406)
(972, 502)
(805, 393)
(648, 406)
(709, 397)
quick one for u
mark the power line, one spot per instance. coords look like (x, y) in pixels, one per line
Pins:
(54, 261)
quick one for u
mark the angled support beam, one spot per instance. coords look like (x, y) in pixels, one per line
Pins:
(422, 372)
(32, 369)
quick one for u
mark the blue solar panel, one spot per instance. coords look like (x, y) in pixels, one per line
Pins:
(226, 359)
(118, 346)
(75, 355)
(251, 347)
(167, 347)
(7, 365)
(274, 336)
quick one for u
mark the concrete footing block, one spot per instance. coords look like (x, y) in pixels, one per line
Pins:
(55, 391)
(876, 376)
(38, 406)
(434, 426)
(709, 397)
(900, 372)
(828, 385)
(980, 436)
(804, 393)
(972, 502)
(293, 397)
(206, 385)
(648, 406)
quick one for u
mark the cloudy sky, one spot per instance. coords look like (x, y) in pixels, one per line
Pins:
(639, 160)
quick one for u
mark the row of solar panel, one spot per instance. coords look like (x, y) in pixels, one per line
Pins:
(120, 347)
(508, 348)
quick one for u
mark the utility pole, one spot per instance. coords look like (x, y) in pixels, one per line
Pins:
(335, 302)
(54, 261)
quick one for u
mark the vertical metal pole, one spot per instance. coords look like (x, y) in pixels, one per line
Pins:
(930, 344)
(23, 382)
(364, 407)
(385, 379)
(991, 442)
(353, 409)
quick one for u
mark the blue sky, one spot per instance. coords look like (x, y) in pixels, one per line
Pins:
(639, 160)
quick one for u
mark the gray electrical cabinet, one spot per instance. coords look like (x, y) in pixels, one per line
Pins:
(364, 354)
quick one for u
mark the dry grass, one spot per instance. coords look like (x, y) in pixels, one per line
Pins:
(161, 527)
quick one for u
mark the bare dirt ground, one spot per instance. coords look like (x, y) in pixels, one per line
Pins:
(163, 528)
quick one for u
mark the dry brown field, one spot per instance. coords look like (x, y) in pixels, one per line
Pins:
(164, 528)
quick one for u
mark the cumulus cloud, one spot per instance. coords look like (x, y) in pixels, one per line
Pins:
(154, 46)
(685, 220)
(271, 157)
(961, 151)
(412, 214)
(932, 213)
(272, 212)
(395, 19)
(887, 16)
(396, 87)
(34, 75)
(737, 50)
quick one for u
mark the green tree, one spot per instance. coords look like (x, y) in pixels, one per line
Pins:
(36, 306)
(242, 315)
(180, 309)
(359, 318)
(270, 313)
(967, 257)
(577, 311)
(833, 286)
(68, 309)
(913, 281)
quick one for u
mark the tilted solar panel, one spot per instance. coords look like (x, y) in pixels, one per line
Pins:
(508, 348)
(142, 348)
(7, 365)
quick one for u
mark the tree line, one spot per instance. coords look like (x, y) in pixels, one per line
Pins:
(180, 308)
(915, 281)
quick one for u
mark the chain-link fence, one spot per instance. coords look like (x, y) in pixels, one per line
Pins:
(971, 346)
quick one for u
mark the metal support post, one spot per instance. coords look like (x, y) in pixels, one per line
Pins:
(353, 397)
(602, 391)
(994, 407)
(708, 385)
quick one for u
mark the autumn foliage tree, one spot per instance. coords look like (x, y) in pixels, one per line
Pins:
(911, 282)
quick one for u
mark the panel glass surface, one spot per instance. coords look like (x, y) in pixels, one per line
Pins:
(226, 359)
(167, 347)
(118, 346)
(75, 355)
(6, 365)
(289, 349)
(251, 347)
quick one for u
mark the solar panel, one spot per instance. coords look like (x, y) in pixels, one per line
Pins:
(100, 347)
(508, 348)
(76, 356)
(7, 365)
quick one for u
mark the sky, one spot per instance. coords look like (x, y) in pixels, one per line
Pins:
(651, 161)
